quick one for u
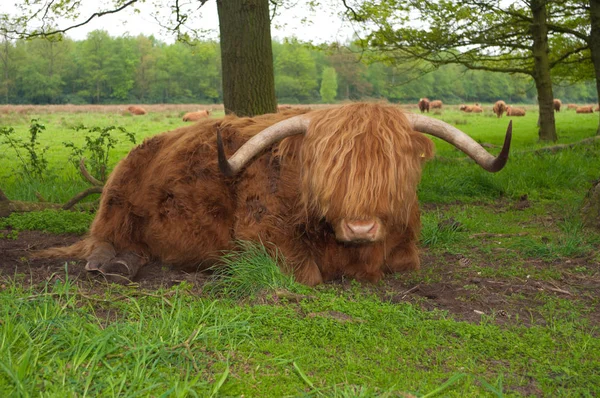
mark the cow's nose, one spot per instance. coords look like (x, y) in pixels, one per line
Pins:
(361, 230)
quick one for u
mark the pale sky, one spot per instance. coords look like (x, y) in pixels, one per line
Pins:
(297, 21)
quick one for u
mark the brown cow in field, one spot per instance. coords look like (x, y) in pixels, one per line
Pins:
(136, 110)
(333, 190)
(423, 105)
(556, 104)
(585, 109)
(436, 104)
(512, 111)
(466, 108)
(499, 108)
(572, 106)
(195, 116)
(477, 109)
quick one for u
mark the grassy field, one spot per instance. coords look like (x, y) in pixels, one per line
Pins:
(507, 302)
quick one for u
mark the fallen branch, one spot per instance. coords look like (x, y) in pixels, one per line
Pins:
(87, 175)
(8, 206)
(77, 198)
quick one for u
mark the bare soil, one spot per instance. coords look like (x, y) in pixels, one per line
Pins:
(456, 289)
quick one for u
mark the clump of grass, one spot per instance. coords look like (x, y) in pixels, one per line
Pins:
(53, 221)
(247, 271)
(438, 230)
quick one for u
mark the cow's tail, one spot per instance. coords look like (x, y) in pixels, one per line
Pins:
(78, 250)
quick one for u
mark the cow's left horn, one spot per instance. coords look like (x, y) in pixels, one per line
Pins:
(462, 141)
(258, 143)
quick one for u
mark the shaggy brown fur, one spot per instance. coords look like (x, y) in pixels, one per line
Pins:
(557, 104)
(423, 105)
(436, 104)
(195, 116)
(466, 108)
(477, 109)
(585, 109)
(499, 108)
(511, 111)
(168, 202)
(136, 110)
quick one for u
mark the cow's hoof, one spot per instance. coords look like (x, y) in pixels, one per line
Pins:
(116, 271)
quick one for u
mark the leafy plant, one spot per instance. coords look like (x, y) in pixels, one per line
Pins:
(33, 163)
(98, 143)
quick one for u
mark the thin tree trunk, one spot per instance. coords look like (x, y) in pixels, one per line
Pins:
(595, 46)
(246, 57)
(541, 73)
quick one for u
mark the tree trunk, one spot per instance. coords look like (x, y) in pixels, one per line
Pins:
(246, 57)
(590, 212)
(541, 72)
(595, 45)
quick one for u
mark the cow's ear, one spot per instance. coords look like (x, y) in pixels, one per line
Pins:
(424, 146)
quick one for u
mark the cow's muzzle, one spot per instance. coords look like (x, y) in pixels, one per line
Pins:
(359, 231)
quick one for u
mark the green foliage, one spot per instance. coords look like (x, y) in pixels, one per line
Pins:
(248, 271)
(53, 221)
(33, 164)
(104, 69)
(329, 86)
(97, 147)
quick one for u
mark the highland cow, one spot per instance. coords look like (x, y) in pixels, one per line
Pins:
(136, 110)
(466, 108)
(436, 104)
(556, 104)
(333, 190)
(499, 108)
(423, 105)
(585, 109)
(283, 107)
(477, 109)
(512, 111)
(195, 116)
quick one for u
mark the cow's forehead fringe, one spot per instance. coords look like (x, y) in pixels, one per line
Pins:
(361, 160)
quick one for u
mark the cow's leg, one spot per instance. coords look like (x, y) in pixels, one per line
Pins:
(403, 258)
(102, 253)
(123, 267)
(308, 273)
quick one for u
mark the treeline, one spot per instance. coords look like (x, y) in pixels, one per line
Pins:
(104, 70)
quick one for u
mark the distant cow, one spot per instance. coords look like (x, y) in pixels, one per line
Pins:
(556, 104)
(423, 105)
(136, 110)
(436, 104)
(334, 191)
(585, 109)
(283, 107)
(466, 108)
(477, 109)
(499, 108)
(511, 111)
(195, 116)
(572, 106)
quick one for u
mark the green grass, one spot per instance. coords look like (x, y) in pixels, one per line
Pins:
(60, 341)
(253, 331)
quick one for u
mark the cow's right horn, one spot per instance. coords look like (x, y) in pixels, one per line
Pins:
(258, 143)
(462, 141)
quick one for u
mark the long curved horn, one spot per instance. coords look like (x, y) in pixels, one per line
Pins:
(258, 143)
(462, 141)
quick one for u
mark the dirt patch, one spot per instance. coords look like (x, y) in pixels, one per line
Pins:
(464, 294)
